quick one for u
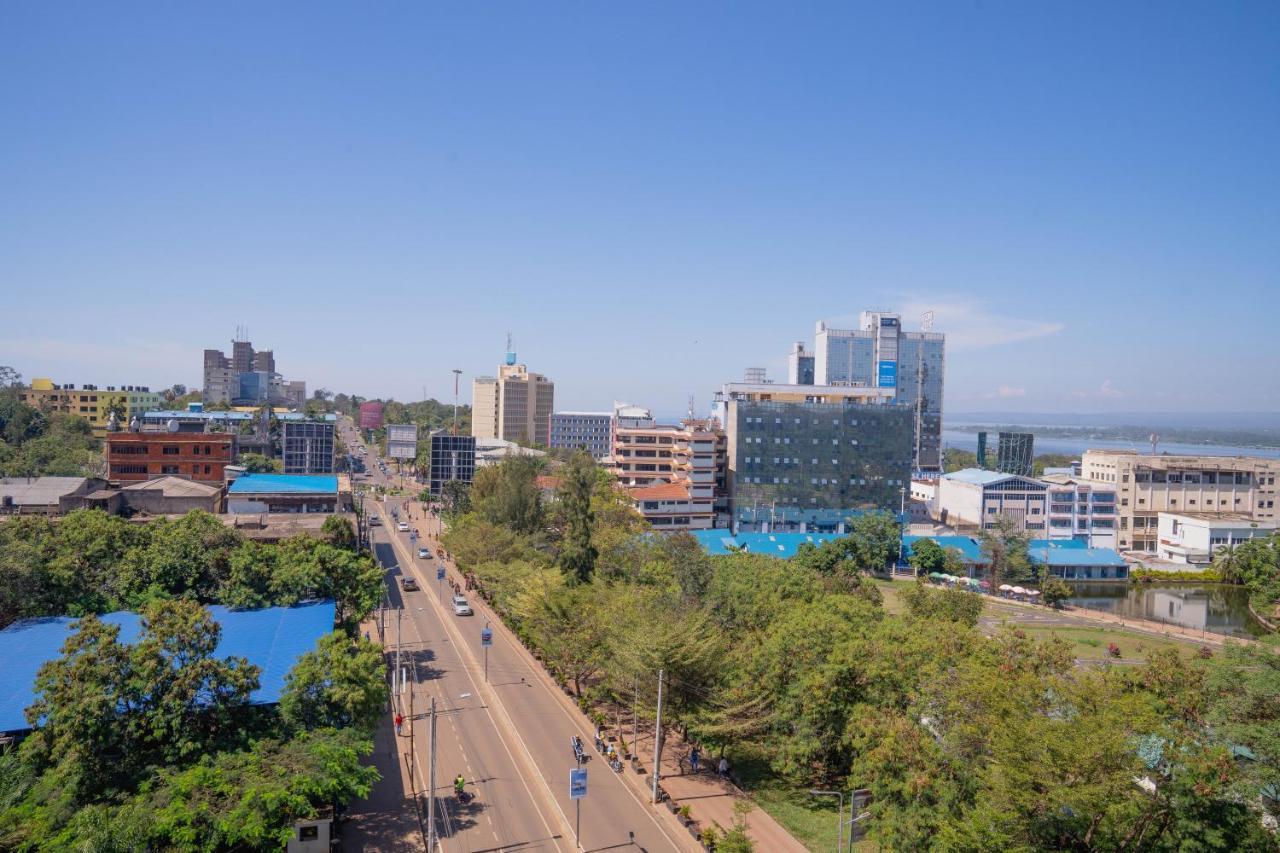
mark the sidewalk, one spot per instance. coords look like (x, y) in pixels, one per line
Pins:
(710, 799)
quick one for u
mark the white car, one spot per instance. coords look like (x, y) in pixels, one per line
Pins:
(460, 606)
(424, 553)
(403, 527)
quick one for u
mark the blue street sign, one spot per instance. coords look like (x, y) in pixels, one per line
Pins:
(486, 637)
(577, 784)
(440, 573)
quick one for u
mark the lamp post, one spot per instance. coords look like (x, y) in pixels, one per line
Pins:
(839, 818)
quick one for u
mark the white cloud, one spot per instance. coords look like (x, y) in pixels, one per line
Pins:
(1110, 391)
(968, 324)
(1005, 392)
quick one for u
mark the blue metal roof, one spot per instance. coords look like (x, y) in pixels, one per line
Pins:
(970, 550)
(1075, 556)
(275, 484)
(719, 542)
(272, 638)
(979, 476)
(303, 416)
(181, 414)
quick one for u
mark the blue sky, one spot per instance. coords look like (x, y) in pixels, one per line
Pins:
(649, 197)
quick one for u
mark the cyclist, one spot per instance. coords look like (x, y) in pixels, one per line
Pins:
(459, 786)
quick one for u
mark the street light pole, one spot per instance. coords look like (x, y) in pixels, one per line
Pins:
(839, 818)
(657, 742)
(456, 374)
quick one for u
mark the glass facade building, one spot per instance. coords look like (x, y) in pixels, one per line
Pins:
(306, 447)
(811, 462)
(881, 355)
(591, 431)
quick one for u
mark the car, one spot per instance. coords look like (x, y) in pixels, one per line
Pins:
(408, 584)
(424, 553)
(374, 521)
(460, 606)
(403, 526)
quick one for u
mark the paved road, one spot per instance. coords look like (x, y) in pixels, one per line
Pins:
(510, 736)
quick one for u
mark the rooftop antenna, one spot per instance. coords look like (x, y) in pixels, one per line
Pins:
(691, 407)
(926, 321)
(1155, 441)
(511, 353)
(457, 373)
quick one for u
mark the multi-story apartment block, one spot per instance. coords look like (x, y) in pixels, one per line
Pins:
(907, 365)
(91, 402)
(1195, 538)
(590, 431)
(808, 457)
(248, 377)
(688, 457)
(453, 457)
(1081, 509)
(137, 456)
(1148, 484)
(515, 405)
(307, 444)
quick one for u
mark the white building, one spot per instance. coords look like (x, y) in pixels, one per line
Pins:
(923, 505)
(1082, 509)
(1194, 537)
(515, 405)
(974, 498)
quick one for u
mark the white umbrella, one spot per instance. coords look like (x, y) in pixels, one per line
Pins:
(1019, 590)
(1033, 592)
(1004, 587)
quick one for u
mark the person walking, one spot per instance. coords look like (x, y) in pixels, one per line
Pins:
(693, 759)
(724, 768)
(399, 722)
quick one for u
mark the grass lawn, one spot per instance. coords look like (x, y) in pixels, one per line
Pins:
(1090, 643)
(812, 820)
(891, 590)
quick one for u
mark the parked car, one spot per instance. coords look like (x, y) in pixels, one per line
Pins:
(460, 606)
(408, 584)
(403, 526)
(375, 521)
(424, 553)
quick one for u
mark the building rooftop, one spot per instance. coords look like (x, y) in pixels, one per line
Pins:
(1057, 555)
(1222, 519)
(660, 492)
(585, 414)
(39, 491)
(968, 547)
(979, 476)
(175, 487)
(272, 638)
(719, 542)
(283, 484)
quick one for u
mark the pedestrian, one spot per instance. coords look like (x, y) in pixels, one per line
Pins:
(724, 767)
(399, 722)
(693, 759)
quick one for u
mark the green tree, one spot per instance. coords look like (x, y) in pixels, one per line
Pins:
(1004, 549)
(925, 601)
(339, 532)
(1055, 591)
(256, 463)
(874, 539)
(455, 499)
(187, 557)
(927, 556)
(577, 557)
(338, 684)
(955, 459)
(507, 494)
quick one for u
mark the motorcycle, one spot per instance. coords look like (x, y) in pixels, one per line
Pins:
(464, 797)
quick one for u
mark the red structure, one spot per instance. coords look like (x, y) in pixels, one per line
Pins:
(199, 456)
(371, 415)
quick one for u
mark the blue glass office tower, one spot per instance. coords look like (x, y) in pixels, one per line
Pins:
(880, 354)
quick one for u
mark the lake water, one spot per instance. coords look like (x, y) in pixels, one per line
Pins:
(963, 440)
(1220, 608)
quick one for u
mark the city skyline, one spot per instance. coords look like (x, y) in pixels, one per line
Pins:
(1053, 187)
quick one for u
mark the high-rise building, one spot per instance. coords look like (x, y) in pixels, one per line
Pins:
(800, 365)
(1015, 453)
(91, 402)
(248, 378)
(803, 457)
(1149, 484)
(908, 365)
(589, 431)
(515, 405)
(453, 457)
(307, 444)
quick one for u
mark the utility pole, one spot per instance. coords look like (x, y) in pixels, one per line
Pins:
(431, 782)
(635, 717)
(457, 373)
(657, 742)
(413, 753)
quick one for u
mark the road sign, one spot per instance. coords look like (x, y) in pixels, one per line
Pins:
(440, 573)
(577, 784)
(486, 637)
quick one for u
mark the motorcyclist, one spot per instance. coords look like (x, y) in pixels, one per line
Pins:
(459, 786)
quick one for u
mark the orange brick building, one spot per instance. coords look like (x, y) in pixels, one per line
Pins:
(199, 456)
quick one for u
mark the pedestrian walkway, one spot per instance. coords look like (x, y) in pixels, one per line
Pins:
(710, 798)
(387, 819)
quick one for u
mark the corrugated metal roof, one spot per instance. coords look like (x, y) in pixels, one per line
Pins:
(1076, 556)
(272, 638)
(978, 476)
(275, 484)
(39, 491)
(718, 542)
(970, 550)
(175, 487)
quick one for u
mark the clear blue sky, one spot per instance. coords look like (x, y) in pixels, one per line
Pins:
(649, 196)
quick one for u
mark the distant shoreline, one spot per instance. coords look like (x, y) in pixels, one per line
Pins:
(1251, 439)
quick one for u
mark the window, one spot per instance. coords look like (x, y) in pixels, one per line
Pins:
(170, 450)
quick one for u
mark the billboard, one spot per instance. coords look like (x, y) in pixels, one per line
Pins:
(371, 415)
(887, 375)
(402, 441)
